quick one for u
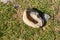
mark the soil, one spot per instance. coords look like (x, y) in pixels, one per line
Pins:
(57, 16)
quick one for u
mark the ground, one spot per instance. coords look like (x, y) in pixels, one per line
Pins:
(13, 28)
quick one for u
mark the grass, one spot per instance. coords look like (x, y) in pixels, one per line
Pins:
(13, 28)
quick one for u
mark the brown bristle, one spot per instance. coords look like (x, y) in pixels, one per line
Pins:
(30, 18)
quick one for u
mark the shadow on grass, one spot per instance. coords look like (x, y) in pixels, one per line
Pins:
(1, 34)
